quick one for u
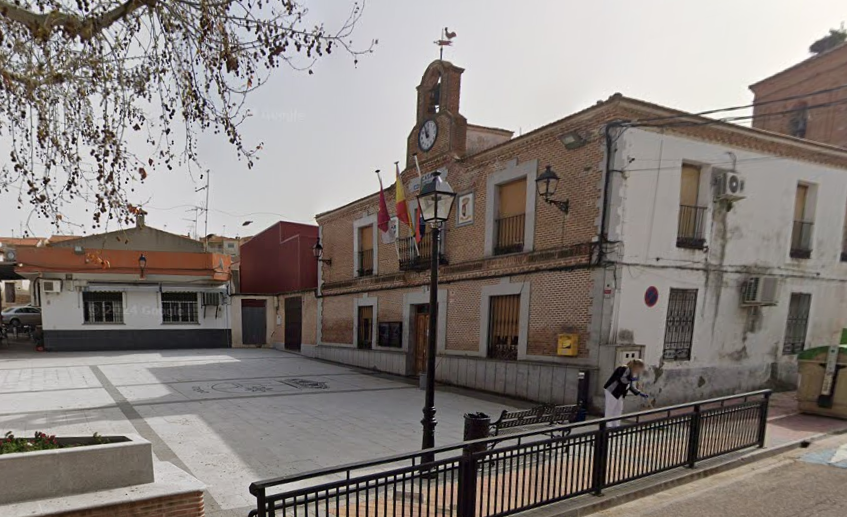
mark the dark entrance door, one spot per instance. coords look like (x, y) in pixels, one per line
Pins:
(253, 322)
(293, 323)
(421, 336)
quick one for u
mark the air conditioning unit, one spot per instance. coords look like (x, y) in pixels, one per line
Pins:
(759, 290)
(11, 256)
(730, 186)
(212, 299)
(52, 286)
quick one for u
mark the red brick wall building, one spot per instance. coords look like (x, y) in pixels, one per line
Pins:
(508, 292)
(279, 259)
(804, 117)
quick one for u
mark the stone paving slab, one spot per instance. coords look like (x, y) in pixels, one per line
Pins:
(228, 417)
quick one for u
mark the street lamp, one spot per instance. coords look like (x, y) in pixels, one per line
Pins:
(546, 184)
(318, 252)
(435, 202)
(142, 264)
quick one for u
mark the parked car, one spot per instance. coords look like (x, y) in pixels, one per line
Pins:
(19, 316)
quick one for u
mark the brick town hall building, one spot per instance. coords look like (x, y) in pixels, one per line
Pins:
(658, 255)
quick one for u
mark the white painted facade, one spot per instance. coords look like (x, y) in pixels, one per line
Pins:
(734, 348)
(142, 325)
(142, 310)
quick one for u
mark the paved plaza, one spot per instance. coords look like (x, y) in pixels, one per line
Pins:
(228, 417)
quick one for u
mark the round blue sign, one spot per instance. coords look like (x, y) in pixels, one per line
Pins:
(651, 296)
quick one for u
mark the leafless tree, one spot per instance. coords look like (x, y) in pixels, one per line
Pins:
(79, 77)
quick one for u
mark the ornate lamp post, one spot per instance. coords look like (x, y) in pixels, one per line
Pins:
(546, 184)
(435, 202)
(318, 252)
(142, 264)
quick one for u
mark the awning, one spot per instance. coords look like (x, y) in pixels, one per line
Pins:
(193, 289)
(120, 288)
(165, 288)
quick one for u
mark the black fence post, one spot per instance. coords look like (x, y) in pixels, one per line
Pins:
(261, 504)
(467, 483)
(694, 437)
(601, 454)
(763, 418)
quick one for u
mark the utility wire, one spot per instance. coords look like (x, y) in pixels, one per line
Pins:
(752, 105)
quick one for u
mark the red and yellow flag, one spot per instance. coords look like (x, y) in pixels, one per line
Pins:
(400, 196)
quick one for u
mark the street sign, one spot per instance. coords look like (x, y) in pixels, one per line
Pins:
(651, 296)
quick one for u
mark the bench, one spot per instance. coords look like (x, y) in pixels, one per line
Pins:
(541, 416)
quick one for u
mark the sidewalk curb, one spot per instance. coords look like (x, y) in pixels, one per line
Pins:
(596, 504)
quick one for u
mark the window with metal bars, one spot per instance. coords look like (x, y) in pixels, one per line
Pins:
(103, 308)
(365, 338)
(797, 323)
(179, 308)
(679, 325)
(503, 326)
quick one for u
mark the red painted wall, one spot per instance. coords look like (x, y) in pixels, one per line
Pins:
(280, 259)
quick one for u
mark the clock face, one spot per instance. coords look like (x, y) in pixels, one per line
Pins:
(427, 135)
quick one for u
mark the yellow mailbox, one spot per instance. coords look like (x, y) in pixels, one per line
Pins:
(568, 345)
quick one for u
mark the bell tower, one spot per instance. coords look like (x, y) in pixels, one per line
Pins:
(439, 127)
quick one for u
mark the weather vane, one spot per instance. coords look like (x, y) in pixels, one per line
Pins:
(445, 41)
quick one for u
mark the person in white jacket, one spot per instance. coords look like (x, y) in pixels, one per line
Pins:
(621, 382)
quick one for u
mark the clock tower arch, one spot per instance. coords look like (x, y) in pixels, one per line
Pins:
(439, 127)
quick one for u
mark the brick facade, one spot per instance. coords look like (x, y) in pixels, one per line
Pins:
(558, 268)
(822, 72)
(182, 505)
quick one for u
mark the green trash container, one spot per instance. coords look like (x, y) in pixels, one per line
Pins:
(812, 368)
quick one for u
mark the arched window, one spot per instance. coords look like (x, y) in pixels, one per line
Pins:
(434, 102)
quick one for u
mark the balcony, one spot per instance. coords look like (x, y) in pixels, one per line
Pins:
(509, 234)
(418, 257)
(801, 239)
(366, 263)
(691, 230)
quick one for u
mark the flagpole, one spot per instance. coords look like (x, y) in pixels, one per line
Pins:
(420, 186)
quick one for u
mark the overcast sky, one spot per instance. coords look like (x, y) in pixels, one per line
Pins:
(526, 64)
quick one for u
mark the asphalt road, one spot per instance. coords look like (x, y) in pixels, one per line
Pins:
(805, 482)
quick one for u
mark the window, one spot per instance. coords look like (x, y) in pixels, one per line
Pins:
(366, 251)
(679, 327)
(103, 308)
(504, 326)
(511, 216)
(179, 308)
(797, 324)
(799, 121)
(801, 233)
(691, 227)
(364, 339)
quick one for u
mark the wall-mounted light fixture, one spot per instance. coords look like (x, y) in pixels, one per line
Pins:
(573, 140)
(318, 252)
(142, 264)
(546, 184)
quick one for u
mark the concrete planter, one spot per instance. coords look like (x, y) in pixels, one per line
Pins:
(124, 461)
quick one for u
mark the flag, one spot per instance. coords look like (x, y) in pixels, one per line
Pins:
(383, 218)
(420, 225)
(400, 195)
(420, 228)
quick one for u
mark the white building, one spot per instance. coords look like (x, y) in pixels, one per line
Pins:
(775, 234)
(134, 289)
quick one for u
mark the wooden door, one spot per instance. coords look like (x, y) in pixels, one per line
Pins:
(253, 322)
(293, 323)
(421, 337)
(800, 202)
(689, 189)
